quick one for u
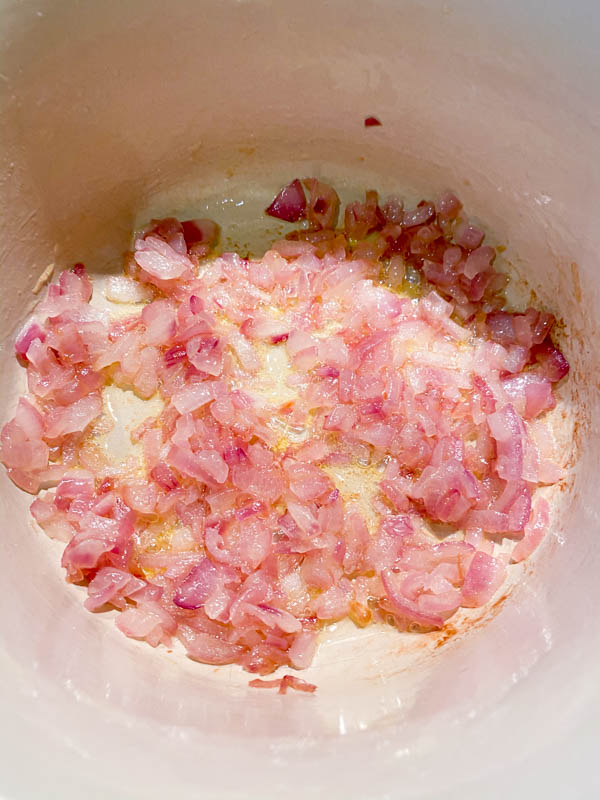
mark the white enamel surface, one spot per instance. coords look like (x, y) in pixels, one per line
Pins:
(114, 111)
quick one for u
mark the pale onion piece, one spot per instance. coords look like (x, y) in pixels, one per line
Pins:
(122, 289)
(160, 260)
(44, 278)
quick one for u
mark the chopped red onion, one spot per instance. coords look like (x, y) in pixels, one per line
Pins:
(237, 534)
(289, 203)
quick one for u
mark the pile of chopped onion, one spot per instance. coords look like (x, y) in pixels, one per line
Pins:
(395, 361)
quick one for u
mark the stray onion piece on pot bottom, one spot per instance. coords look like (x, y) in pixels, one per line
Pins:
(324, 409)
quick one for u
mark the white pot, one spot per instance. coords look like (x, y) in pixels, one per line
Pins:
(111, 111)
